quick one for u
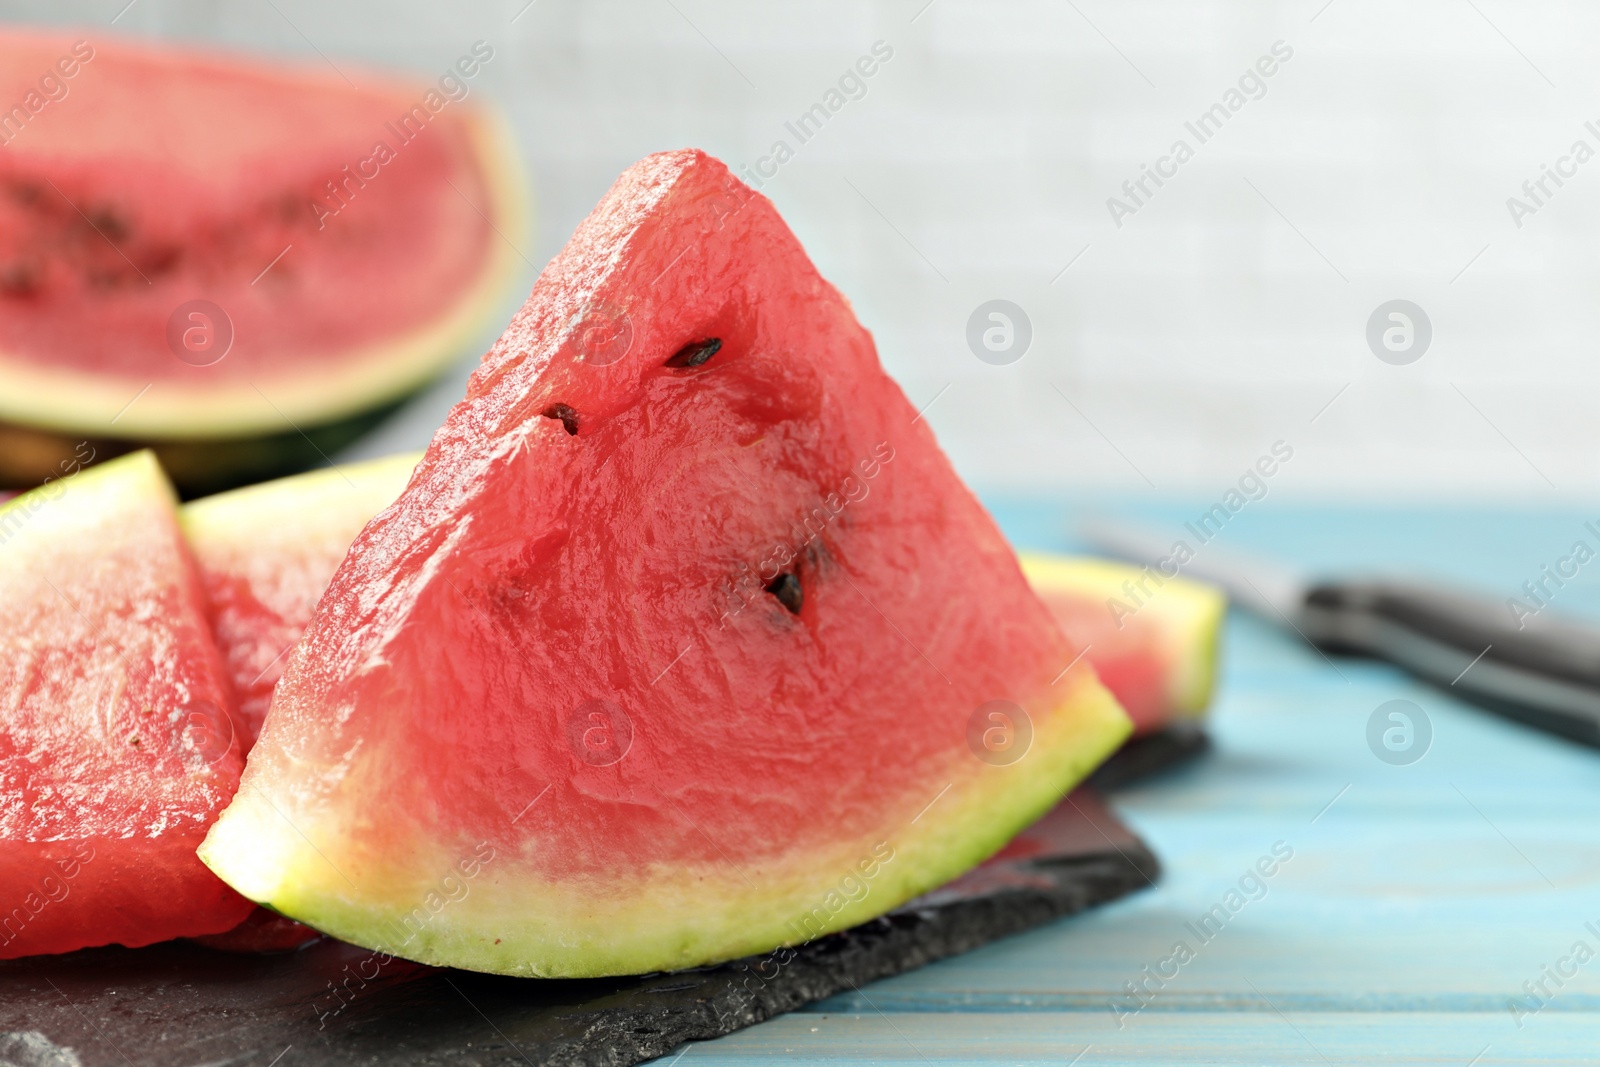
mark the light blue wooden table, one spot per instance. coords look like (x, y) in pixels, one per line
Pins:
(1417, 902)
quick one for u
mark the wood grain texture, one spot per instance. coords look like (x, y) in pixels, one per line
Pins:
(1413, 909)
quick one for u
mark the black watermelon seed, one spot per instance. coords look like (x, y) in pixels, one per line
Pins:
(695, 353)
(568, 417)
(786, 587)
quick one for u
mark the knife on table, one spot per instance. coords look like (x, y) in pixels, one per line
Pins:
(1542, 670)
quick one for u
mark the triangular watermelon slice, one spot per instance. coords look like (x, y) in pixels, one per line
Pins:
(683, 642)
(117, 742)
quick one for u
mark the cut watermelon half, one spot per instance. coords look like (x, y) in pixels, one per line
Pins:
(117, 742)
(350, 240)
(1152, 640)
(684, 641)
(267, 552)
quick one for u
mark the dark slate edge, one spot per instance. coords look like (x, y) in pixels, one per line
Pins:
(699, 1005)
(169, 998)
(1150, 755)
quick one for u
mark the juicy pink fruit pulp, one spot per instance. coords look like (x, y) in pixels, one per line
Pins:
(1131, 660)
(117, 743)
(607, 589)
(266, 554)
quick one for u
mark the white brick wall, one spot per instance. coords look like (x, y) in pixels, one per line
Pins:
(1194, 336)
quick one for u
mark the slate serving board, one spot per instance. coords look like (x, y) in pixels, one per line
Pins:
(1143, 757)
(182, 1005)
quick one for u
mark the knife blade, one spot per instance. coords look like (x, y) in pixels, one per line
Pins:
(1543, 670)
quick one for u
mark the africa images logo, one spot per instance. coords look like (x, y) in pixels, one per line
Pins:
(1252, 85)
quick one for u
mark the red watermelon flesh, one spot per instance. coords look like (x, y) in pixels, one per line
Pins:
(117, 744)
(162, 176)
(267, 552)
(683, 642)
(261, 932)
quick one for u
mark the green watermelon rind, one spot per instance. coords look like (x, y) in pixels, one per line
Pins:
(196, 466)
(233, 519)
(478, 922)
(1190, 613)
(35, 500)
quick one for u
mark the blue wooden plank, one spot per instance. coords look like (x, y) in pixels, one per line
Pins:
(1417, 902)
(1421, 887)
(1190, 1039)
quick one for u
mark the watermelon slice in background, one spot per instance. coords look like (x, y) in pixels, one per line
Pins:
(351, 239)
(266, 553)
(1155, 648)
(594, 698)
(117, 742)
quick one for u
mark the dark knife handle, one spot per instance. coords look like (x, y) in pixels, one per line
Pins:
(1543, 670)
